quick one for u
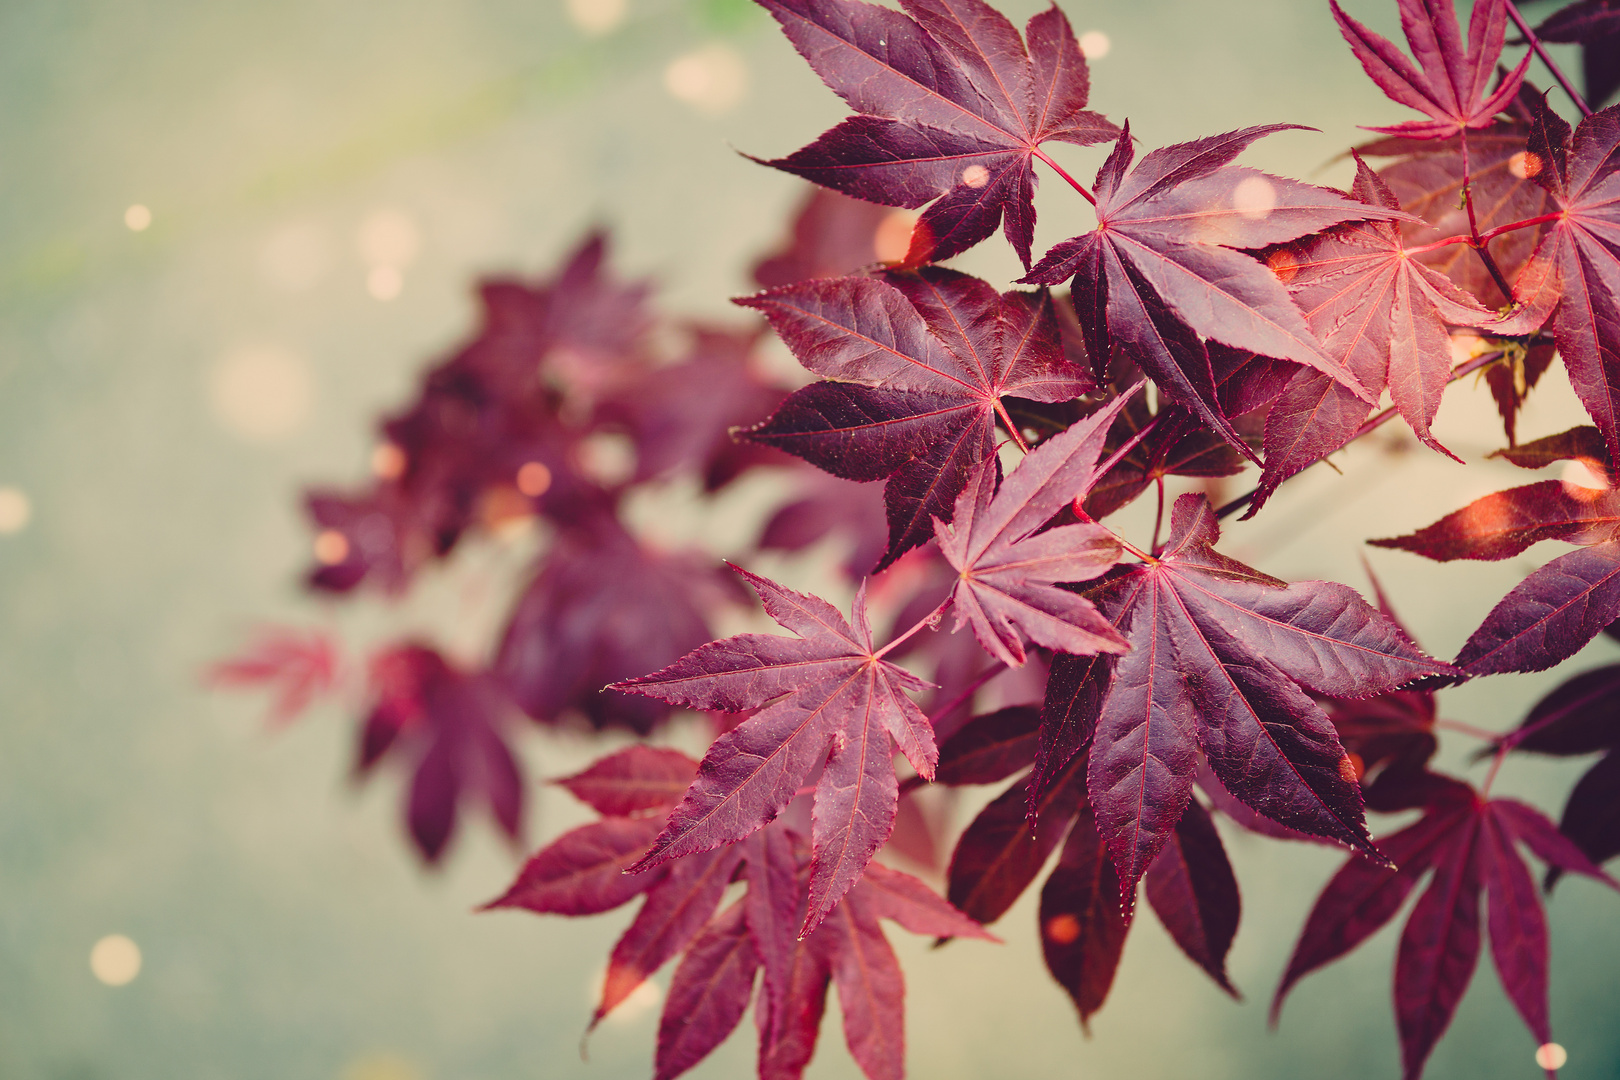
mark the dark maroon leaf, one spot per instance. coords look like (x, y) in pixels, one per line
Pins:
(828, 505)
(1595, 24)
(1003, 849)
(1505, 523)
(1580, 717)
(1082, 929)
(636, 780)
(1438, 949)
(1159, 273)
(676, 911)
(990, 748)
(952, 103)
(1364, 896)
(1007, 571)
(603, 608)
(708, 995)
(1451, 79)
(1583, 444)
(1195, 894)
(1550, 615)
(828, 693)
(1517, 926)
(583, 872)
(922, 361)
(1591, 818)
(1219, 656)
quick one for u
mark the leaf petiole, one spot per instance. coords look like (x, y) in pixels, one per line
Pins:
(928, 621)
(1061, 171)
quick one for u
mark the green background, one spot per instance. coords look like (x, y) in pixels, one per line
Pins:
(287, 932)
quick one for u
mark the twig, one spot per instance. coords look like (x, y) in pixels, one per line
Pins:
(1478, 244)
(1535, 46)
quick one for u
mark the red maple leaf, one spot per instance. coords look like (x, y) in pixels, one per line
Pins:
(915, 366)
(757, 938)
(952, 103)
(299, 666)
(1470, 845)
(826, 696)
(1451, 80)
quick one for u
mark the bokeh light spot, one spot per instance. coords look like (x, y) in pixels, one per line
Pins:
(388, 461)
(388, 238)
(1524, 165)
(331, 547)
(893, 236)
(1551, 1056)
(975, 176)
(606, 457)
(1254, 197)
(385, 282)
(1283, 263)
(261, 393)
(1095, 44)
(115, 960)
(138, 218)
(712, 79)
(15, 510)
(533, 479)
(1062, 929)
(596, 17)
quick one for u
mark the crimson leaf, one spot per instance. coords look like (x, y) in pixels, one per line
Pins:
(1007, 572)
(1160, 274)
(1219, 656)
(916, 366)
(824, 696)
(1451, 84)
(951, 102)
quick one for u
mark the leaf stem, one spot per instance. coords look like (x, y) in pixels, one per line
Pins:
(1468, 729)
(1467, 367)
(1090, 198)
(1012, 428)
(929, 620)
(1535, 46)
(1478, 244)
(1130, 444)
(1158, 516)
(1489, 234)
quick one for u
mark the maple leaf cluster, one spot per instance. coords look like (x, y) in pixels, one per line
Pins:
(968, 444)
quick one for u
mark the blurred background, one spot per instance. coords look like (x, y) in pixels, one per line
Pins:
(231, 233)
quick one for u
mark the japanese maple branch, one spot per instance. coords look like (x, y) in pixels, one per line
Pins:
(1547, 61)
(1478, 243)
(1467, 367)
(1090, 198)
(1488, 235)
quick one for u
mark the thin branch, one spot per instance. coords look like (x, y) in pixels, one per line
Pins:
(928, 621)
(1158, 515)
(1077, 185)
(1488, 235)
(1535, 46)
(1467, 367)
(972, 688)
(1473, 224)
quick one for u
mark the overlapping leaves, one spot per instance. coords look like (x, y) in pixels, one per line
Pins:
(1160, 274)
(914, 366)
(952, 103)
(754, 940)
